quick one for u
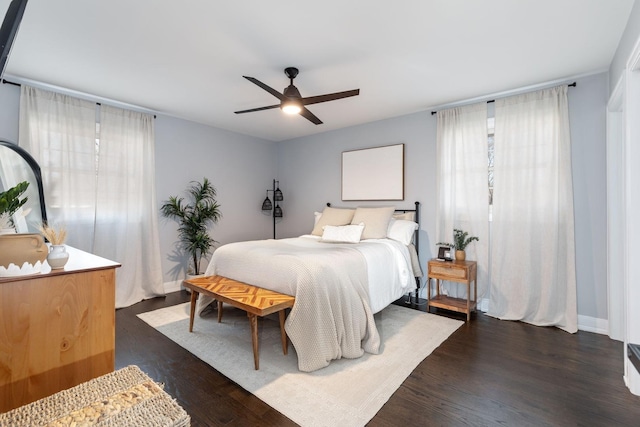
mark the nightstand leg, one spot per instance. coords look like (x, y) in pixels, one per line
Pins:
(475, 293)
(468, 301)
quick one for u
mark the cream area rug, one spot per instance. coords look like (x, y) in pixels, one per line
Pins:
(348, 392)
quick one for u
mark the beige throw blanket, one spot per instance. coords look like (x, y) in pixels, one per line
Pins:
(331, 317)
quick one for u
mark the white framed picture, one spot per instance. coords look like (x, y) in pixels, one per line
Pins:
(373, 173)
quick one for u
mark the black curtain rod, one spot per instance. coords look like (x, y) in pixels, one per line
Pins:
(7, 82)
(574, 84)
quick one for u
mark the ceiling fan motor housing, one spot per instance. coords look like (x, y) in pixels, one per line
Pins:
(292, 92)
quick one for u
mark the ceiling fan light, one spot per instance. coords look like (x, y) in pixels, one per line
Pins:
(291, 108)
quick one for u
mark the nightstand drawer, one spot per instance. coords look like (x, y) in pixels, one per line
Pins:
(449, 271)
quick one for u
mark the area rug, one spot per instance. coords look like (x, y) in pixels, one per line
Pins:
(348, 392)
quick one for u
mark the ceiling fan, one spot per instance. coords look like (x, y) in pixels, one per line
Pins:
(291, 102)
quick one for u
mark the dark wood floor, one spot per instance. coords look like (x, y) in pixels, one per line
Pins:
(488, 373)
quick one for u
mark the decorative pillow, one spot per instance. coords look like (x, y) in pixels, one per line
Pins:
(408, 216)
(342, 233)
(401, 230)
(333, 216)
(376, 221)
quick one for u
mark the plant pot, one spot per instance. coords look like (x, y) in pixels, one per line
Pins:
(460, 255)
(58, 256)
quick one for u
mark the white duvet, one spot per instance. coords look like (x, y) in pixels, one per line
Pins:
(337, 287)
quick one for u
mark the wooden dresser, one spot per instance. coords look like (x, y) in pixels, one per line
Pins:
(57, 328)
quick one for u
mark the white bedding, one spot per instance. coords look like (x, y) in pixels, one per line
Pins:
(337, 287)
(389, 270)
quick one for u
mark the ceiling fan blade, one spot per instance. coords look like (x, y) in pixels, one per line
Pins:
(329, 97)
(257, 109)
(271, 90)
(310, 116)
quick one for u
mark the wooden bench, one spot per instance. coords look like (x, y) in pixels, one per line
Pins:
(252, 299)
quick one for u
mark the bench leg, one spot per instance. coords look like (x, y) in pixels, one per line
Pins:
(283, 334)
(253, 319)
(219, 311)
(194, 298)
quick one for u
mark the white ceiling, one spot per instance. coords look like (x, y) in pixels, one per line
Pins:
(187, 58)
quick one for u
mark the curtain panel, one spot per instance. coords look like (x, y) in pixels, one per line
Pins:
(60, 133)
(126, 219)
(533, 277)
(463, 191)
(99, 183)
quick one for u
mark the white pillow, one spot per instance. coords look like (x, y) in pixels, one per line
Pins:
(316, 217)
(333, 216)
(376, 221)
(342, 233)
(401, 230)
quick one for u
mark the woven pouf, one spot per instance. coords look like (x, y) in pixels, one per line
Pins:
(126, 397)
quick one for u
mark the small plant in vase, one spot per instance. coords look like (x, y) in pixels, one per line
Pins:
(461, 240)
(58, 255)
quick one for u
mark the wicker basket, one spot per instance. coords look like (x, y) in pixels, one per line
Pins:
(127, 397)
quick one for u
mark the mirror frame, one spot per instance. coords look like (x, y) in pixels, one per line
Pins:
(36, 171)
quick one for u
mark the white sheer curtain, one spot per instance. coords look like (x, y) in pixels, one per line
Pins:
(532, 250)
(60, 133)
(98, 184)
(463, 189)
(126, 220)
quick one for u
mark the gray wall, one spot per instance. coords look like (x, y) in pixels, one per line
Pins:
(309, 169)
(9, 112)
(587, 114)
(241, 168)
(627, 42)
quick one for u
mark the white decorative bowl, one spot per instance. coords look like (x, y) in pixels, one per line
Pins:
(26, 269)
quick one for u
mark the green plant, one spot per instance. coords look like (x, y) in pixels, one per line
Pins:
(10, 201)
(460, 239)
(194, 217)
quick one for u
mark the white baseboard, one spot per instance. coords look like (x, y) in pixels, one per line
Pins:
(172, 286)
(593, 324)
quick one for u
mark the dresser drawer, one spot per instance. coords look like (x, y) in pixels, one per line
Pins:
(451, 271)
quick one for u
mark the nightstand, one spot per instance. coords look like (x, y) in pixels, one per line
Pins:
(463, 272)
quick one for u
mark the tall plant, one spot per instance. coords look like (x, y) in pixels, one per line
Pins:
(194, 217)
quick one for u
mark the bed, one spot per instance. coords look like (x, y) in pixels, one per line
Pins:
(353, 264)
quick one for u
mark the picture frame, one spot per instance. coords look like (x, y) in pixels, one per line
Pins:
(373, 173)
(445, 253)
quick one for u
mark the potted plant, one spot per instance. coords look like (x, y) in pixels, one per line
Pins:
(461, 240)
(194, 217)
(10, 202)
